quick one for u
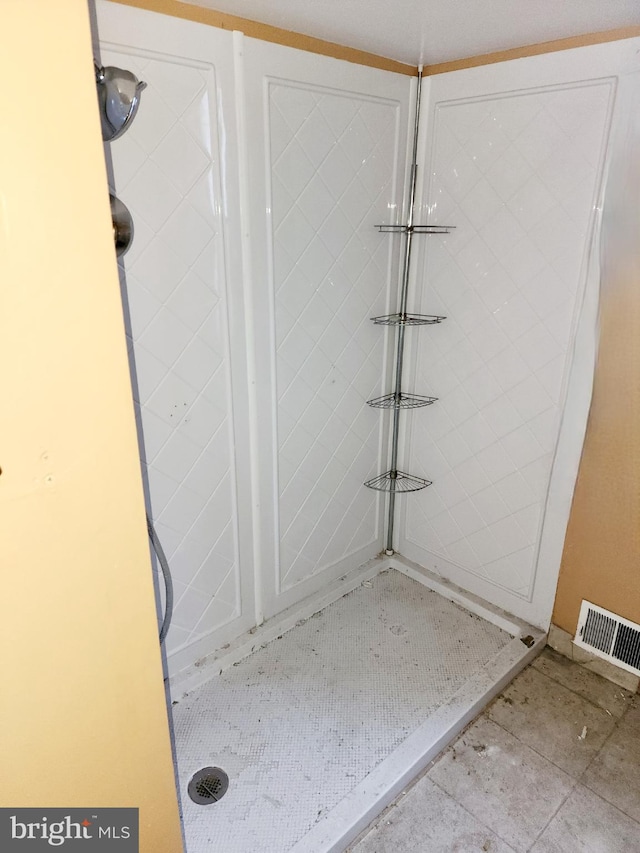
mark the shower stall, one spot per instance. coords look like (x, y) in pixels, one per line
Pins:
(328, 639)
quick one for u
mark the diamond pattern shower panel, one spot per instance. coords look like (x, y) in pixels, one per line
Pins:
(517, 175)
(332, 164)
(166, 172)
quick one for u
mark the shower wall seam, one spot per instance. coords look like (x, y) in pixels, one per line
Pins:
(247, 285)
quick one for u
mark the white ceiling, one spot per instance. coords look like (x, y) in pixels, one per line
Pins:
(431, 31)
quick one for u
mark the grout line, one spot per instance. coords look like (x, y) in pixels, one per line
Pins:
(598, 793)
(609, 803)
(452, 745)
(545, 758)
(475, 817)
(575, 780)
(554, 815)
(581, 696)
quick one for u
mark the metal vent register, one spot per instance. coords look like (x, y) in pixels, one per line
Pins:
(208, 785)
(609, 636)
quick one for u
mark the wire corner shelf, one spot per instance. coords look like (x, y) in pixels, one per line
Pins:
(393, 481)
(415, 229)
(397, 482)
(401, 401)
(408, 319)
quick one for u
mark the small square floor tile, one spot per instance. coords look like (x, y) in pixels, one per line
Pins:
(551, 719)
(587, 824)
(589, 685)
(615, 772)
(427, 820)
(502, 782)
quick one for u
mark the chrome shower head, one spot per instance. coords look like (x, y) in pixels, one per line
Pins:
(119, 97)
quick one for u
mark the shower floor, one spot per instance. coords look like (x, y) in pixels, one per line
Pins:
(302, 722)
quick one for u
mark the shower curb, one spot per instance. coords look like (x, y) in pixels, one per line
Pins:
(344, 823)
(347, 820)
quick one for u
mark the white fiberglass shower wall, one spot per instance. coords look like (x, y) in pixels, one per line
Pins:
(254, 270)
(176, 170)
(326, 163)
(515, 157)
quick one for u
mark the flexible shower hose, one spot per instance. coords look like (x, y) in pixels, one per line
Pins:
(168, 582)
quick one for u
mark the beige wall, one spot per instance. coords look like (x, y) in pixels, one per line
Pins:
(601, 561)
(82, 711)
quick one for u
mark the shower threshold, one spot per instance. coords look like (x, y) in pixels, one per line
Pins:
(322, 727)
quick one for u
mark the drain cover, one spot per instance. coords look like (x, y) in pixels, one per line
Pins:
(208, 785)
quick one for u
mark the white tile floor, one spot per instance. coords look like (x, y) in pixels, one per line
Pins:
(521, 778)
(301, 722)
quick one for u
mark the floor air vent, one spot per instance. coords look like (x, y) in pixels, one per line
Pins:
(609, 636)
